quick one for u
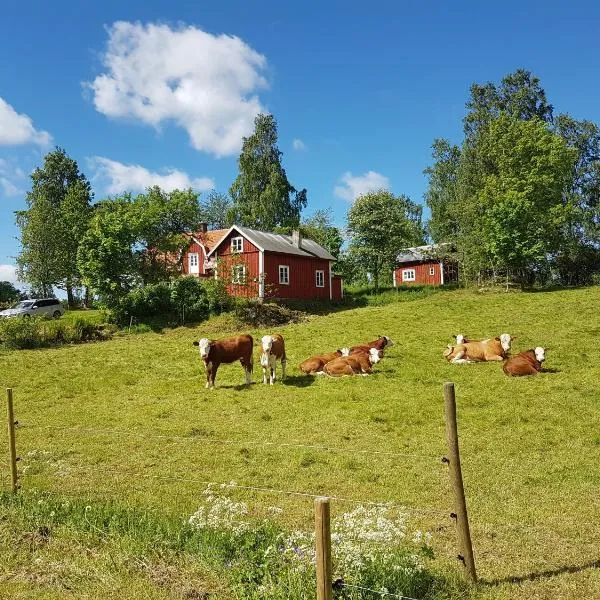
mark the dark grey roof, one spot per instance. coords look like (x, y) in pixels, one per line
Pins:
(429, 252)
(275, 242)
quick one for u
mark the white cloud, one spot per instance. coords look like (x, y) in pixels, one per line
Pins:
(8, 174)
(9, 273)
(17, 129)
(8, 187)
(124, 178)
(206, 84)
(356, 185)
(298, 145)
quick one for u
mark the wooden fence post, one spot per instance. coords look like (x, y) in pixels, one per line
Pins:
(12, 449)
(323, 548)
(465, 546)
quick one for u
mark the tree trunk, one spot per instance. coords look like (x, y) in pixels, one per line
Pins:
(376, 278)
(70, 297)
(87, 297)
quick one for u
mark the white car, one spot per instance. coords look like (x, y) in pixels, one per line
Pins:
(42, 307)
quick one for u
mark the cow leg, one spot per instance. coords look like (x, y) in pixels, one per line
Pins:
(264, 374)
(208, 374)
(495, 358)
(459, 357)
(213, 374)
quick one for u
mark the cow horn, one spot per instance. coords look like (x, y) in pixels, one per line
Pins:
(196, 343)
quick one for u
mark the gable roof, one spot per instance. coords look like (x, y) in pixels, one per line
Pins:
(208, 239)
(276, 242)
(423, 253)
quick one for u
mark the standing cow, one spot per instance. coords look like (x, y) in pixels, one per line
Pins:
(226, 350)
(525, 363)
(273, 349)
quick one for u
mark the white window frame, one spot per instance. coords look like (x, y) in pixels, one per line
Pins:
(235, 274)
(431, 270)
(234, 244)
(287, 272)
(409, 275)
(322, 273)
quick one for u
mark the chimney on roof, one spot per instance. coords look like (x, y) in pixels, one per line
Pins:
(296, 238)
(203, 227)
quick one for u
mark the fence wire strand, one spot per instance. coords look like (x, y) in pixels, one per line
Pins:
(204, 440)
(263, 489)
(381, 593)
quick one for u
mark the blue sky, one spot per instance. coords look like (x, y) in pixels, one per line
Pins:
(162, 92)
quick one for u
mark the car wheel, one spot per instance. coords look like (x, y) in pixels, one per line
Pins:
(56, 314)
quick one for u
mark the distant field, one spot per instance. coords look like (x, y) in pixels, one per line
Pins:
(530, 447)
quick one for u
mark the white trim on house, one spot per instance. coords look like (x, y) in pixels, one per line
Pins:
(330, 281)
(431, 271)
(441, 272)
(409, 274)
(261, 274)
(287, 272)
(394, 277)
(322, 273)
(240, 239)
(235, 277)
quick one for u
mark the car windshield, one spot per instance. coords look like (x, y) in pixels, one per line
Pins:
(26, 304)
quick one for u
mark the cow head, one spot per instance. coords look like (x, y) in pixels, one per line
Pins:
(203, 346)
(505, 341)
(267, 343)
(540, 354)
(375, 355)
(387, 340)
(460, 338)
(345, 351)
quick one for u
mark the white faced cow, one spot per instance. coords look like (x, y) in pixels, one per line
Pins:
(355, 364)
(525, 363)
(226, 350)
(273, 349)
(494, 349)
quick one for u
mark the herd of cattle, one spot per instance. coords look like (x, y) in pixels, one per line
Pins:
(359, 359)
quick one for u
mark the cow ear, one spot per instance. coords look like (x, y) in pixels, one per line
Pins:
(513, 338)
(454, 336)
(497, 339)
(196, 343)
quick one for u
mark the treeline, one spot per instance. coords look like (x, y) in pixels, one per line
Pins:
(519, 196)
(125, 250)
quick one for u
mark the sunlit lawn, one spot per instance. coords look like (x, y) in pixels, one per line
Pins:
(151, 435)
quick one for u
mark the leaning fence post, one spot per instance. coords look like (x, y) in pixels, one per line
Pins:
(323, 548)
(465, 546)
(12, 448)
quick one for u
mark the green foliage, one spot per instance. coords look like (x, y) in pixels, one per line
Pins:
(381, 225)
(144, 302)
(216, 210)
(217, 295)
(8, 293)
(253, 313)
(263, 198)
(189, 299)
(53, 225)
(36, 332)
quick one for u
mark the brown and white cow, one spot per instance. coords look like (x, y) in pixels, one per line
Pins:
(525, 363)
(355, 364)
(382, 342)
(226, 350)
(494, 349)
(315, 364)
(273, 349)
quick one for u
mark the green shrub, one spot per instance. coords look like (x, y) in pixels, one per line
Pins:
(20, 334)
(189, 299)
(218, 297)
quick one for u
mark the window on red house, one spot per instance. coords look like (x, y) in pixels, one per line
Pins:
(284, 274)
(320, 278)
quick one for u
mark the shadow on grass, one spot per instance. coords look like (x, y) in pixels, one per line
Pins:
(544, 370)
(299, 381)
(594, 564)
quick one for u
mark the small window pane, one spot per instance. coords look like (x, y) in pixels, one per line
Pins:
(320, 278)
(237, 244)
(408, 275)
(284, 274)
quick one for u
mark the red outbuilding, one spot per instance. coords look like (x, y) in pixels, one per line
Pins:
(257, 264)
(426, 265)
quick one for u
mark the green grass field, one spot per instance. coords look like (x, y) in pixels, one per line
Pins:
(129, 420)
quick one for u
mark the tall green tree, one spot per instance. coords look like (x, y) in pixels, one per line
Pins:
(52, 226)
(8, 293)
(216, 210)
(512, 215)
(263, 198)
(380, 225)
(441, 193)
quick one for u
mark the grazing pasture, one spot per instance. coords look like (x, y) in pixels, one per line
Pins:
(530, 447)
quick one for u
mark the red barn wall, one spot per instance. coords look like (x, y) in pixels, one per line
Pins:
(422, 276)
(249, 257)
(301, 275)
(337, 287)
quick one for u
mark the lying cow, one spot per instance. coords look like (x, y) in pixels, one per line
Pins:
(315, 364)
(226, 350)
(355, 364)
(525, 363)
(494, 349)
(380, 343)
(273, 349)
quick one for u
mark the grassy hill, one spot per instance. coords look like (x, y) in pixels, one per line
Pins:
(129, 420)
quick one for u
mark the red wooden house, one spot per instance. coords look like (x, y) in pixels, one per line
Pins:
(257, 264)
(425, 265)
